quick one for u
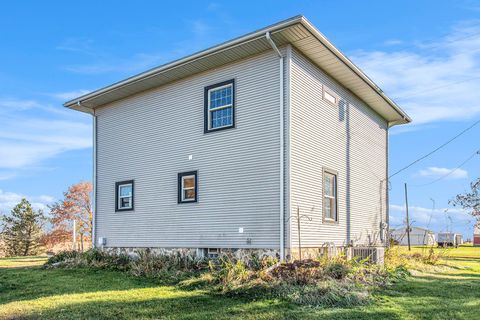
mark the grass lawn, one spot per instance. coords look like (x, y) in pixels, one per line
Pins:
(29, 292)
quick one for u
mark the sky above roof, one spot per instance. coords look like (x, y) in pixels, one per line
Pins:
(425, 55)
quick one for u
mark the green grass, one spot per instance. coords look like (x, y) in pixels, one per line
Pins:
(30, 292)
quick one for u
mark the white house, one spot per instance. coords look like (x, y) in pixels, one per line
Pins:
(418, 236)
(222, 148)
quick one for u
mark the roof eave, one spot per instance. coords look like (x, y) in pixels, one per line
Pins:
(403, 118)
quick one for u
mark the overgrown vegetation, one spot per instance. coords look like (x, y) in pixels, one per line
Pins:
(448, 289)
(315, 282)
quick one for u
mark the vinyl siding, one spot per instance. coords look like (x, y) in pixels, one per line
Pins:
(350, 139)
(148, 138)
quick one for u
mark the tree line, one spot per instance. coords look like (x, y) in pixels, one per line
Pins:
(26, 231)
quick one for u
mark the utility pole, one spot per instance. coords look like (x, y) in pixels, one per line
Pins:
(408, 221)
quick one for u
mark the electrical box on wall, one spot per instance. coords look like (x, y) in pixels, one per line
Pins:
(102, 241)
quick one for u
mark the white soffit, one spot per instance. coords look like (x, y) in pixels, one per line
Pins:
(297, 31)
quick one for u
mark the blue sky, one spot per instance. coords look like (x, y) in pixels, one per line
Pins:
(424, 54)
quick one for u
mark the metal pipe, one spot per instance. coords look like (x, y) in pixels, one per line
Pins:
(282, 149)
(94, 174)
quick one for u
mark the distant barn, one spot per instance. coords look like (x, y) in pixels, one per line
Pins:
(418, 236)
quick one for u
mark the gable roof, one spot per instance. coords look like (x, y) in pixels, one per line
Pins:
(297, 30)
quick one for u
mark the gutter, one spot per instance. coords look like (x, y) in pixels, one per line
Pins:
(282, 148)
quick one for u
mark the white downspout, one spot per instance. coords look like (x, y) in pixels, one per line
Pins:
(94, 177)
(282, 151)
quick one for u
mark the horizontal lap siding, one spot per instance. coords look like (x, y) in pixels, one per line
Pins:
(319, 135)
(149, 137)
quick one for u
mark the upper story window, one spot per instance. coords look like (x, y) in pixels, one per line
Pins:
(124, 195)
(330, 96)
(187, 187)
(219, 106)
(330, 210)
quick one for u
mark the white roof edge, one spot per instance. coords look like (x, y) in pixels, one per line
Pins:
(189, 58)
(353, 66)
(248, 37)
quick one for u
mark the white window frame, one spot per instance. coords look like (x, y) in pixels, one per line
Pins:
(120, 197)
(327, 92)
(334, 197)
(210, 111)
(189, 188)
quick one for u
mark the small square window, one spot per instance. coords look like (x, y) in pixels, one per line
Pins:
(124, 195)
(219, 106)
(329, 96)
(187, 187)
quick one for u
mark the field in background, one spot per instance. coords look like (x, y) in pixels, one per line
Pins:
(29, 292)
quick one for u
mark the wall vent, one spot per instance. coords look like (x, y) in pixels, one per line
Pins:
(213, 253)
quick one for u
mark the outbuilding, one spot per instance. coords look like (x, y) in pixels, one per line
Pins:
(418, 236)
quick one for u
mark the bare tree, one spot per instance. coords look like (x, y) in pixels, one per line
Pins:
(470, 200)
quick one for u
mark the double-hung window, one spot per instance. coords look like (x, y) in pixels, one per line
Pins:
(124, 195)
(187, 187)
(219, 106)
(330, 210)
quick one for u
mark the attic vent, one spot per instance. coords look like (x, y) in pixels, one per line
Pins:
(374, 255)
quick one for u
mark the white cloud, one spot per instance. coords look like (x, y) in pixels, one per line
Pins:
(31, 132)
(432, 82)
(25, 142)
(9, 104)
(393, 42)
(136, 63)
(68, 95)
(437, 172)
(8, 200)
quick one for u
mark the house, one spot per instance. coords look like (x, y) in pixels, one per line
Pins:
(221, 149)
(418, 236)
(476, 235)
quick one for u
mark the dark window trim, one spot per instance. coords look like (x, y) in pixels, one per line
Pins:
(206, 128)
(117, 184)
(179, 186)
(324, 218)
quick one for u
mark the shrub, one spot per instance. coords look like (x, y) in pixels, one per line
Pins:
(62, 256)
(337, 269)
(297, 272)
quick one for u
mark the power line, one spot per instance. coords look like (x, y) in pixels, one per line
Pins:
(435, 150)
(451, 172)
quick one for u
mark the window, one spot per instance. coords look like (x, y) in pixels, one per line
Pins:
(329, 96)
(187, 187)
(219, 106)
(124, 195)
(330, 211)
